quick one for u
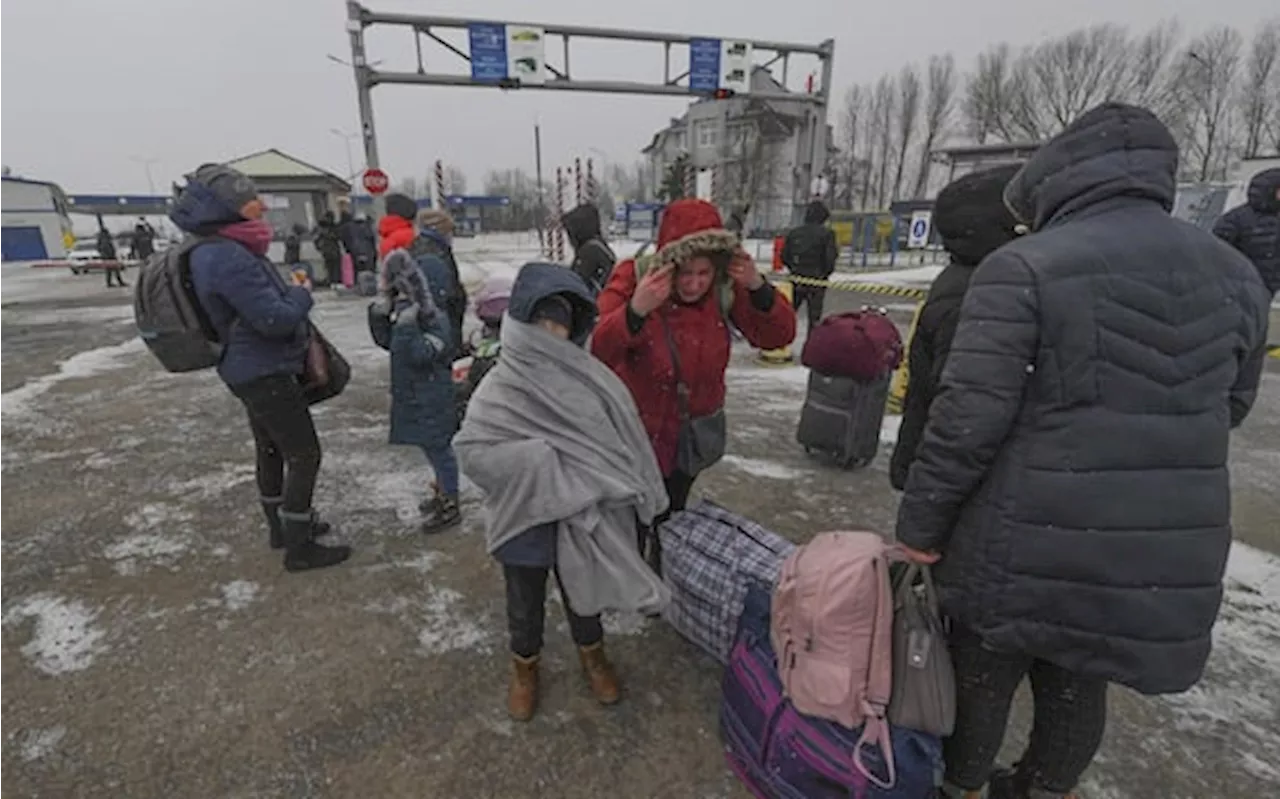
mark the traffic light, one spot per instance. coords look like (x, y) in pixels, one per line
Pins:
(723, 94)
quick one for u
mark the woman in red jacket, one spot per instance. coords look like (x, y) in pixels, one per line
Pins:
(697, 281)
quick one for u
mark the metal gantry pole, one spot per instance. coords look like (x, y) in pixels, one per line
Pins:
(364, 82)
(544, 246)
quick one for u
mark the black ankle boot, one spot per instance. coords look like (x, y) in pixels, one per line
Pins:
(302, 553)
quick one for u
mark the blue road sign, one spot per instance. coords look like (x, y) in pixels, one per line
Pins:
(704, 65)
(488, 52)
(920, 228)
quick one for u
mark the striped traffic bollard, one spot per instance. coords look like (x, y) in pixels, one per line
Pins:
(558, 245)
(577, 181)
(440, 184)
(592, 188)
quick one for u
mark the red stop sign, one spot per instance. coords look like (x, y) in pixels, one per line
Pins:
(376, 181)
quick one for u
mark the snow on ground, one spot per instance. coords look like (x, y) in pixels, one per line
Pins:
(17, 403)
(66, 637)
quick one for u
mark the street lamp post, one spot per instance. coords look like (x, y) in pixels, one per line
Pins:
(347, 137)
(146, 166)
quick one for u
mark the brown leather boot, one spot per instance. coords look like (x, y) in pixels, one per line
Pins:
(599, 673)
(522, 694)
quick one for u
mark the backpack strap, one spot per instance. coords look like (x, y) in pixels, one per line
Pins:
(875, 728)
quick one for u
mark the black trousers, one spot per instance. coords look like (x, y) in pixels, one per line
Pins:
(1070, 717)
(116, 272)
(284, 435)
(527, 611)
(813, 298)
(679, 485)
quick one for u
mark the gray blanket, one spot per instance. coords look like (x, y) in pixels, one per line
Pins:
(552, 435)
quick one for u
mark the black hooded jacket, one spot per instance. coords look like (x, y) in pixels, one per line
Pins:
(973, 221)
(1254, 228)
(593, 260)
(810, 250)
(1073, 472)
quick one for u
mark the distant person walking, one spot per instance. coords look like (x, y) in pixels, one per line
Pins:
(144, 240)
(1254, 228)
(110, 261)
(329, 245)
(810, 251)
(262, 321)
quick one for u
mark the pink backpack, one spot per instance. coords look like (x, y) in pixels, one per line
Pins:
(832, 627)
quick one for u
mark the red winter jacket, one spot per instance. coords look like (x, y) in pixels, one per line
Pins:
(643, 361)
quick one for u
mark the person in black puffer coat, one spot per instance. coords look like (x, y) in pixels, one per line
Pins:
(810, 251)
(1072, 477)
(1254, 228)
(593, 259)
(971, 218)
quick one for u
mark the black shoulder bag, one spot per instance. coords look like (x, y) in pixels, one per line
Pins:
(701, 441)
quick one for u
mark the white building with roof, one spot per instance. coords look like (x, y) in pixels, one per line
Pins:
(36, 226)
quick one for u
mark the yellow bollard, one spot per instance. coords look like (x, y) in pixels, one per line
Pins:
(782, 355)
(898, 385)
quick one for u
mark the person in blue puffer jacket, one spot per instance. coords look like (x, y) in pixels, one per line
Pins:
(262, 322)
(422, 391)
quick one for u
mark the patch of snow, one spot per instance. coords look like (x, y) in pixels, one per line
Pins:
(19, 402)
(39, 744)
(157, 514)
(1239, 696)
(144, 547)
(889, 429)
(919, 276)
(770, 470)
(238, 594)
(444, 629)
(217, 482)
(624, 623)
(65, 638)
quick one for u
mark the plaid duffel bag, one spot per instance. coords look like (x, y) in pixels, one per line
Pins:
(709, 556)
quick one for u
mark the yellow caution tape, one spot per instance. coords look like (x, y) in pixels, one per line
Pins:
(851, 285)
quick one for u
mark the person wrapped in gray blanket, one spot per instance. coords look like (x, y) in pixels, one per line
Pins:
(553, 439)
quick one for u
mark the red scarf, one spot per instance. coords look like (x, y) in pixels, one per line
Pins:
(396, 233)
(255, 234)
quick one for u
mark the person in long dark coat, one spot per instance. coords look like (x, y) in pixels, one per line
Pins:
(1254, 228)
(1072, 480)
(972, 220)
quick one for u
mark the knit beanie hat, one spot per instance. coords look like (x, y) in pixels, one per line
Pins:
(554, 308)
(232, 188)
(401, 205)
(971, 216)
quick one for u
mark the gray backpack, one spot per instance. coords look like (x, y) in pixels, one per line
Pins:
(170, 319)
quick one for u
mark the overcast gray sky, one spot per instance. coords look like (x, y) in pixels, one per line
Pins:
(91, 88)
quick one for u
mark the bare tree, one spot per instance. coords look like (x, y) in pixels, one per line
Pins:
(908, 114)
(883, 103)
(937, 114)
(1206, 82)
(986, 99)
(1260, 90)
(1149, 77)
(852, 125)
(408, 186)
(455, 180)
(1054, 83)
